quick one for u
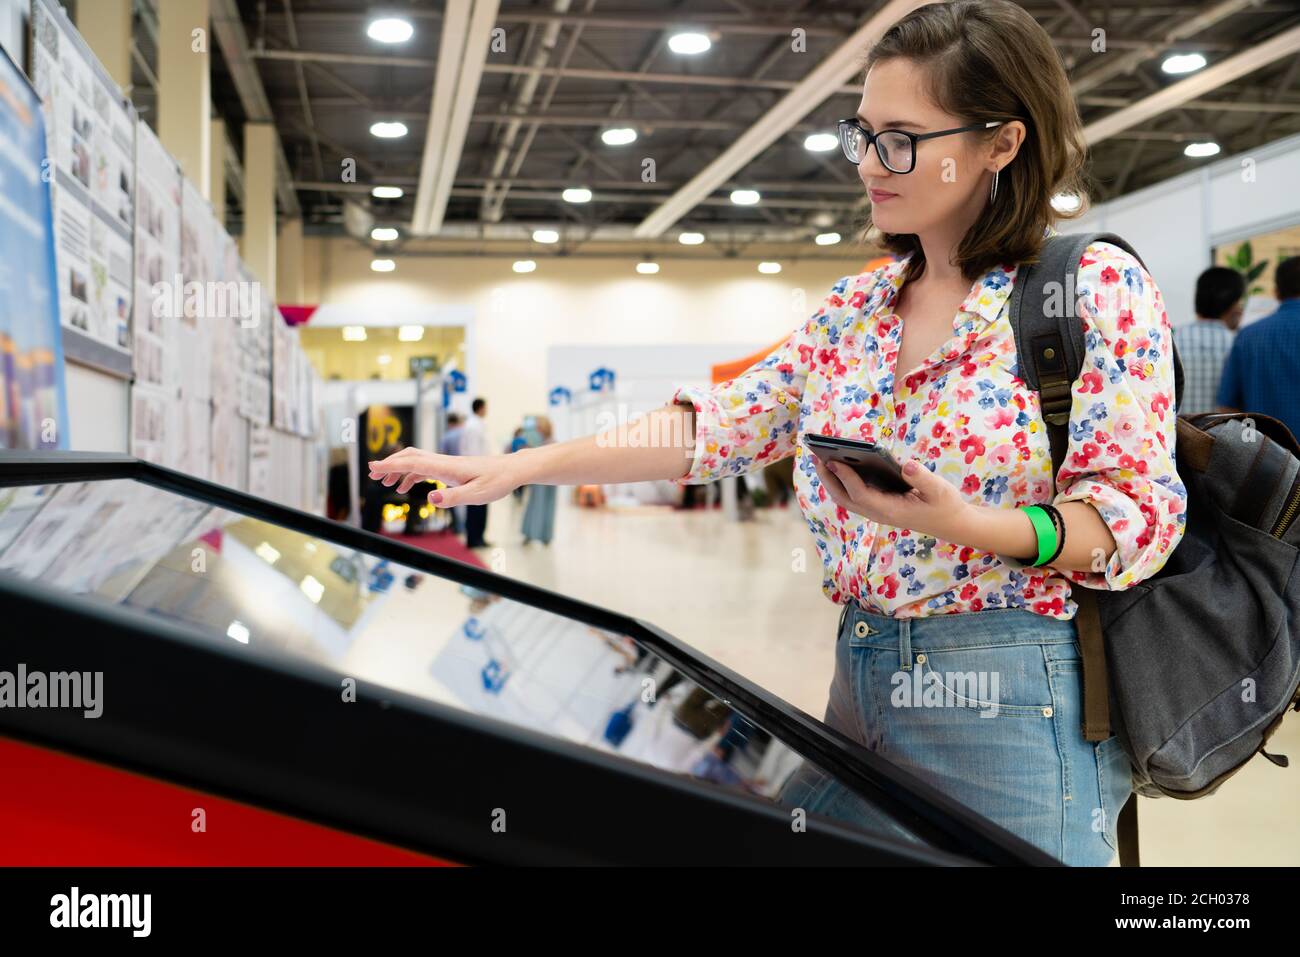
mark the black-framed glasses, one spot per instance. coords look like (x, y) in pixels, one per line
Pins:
(896, 148)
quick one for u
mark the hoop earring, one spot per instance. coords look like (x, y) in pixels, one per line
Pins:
(993, 193)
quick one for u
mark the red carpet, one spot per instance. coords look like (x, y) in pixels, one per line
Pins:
(440, 543)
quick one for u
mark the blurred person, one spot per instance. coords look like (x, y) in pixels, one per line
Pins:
(474, 442)
(1204, 344)
(539, 515)
(959, 564)
(449, 444)
(778, 480)
(1262, 373)
(518, 441)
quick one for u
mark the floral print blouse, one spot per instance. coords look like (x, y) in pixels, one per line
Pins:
(967, 416)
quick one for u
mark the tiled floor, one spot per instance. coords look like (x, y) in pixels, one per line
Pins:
(749, 596)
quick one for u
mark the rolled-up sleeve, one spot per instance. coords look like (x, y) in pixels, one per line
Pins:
(750, 421)
(1120, 456)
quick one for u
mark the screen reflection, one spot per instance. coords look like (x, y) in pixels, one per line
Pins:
(260, 585)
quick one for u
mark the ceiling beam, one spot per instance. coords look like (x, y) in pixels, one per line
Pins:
(1171, 97)
(1216, 106)
(1183, 27)
(229, 31)
(830, 73)
(462, 54)
(524, 69)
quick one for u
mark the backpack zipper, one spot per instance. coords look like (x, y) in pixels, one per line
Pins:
(1288, 512)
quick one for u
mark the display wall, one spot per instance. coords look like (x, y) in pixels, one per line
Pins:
(173, 351)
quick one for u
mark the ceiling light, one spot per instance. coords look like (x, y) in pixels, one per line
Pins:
(384, 359)
(383, 234)
(647, 269)
(266, 551)
(689, 44)
(390, 30)
(545, 236)
(388, 129)
(239, 631)
(690, 239)
(312, 589)
(744, 197)
(577, 194)
(387, 192)
(821, 142)
(524, 265)
(1066, 202)
(382, 265)
(354, 333)
(769, 269)
(1199, 150)
(1183, 63)
(827, 239)
(618, 136)
(410, 333)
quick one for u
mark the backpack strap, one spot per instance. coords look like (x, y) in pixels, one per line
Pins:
(1050, 351)
(1049, 355)
(1126, 832)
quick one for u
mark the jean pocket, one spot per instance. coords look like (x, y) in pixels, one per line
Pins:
(1008, 681)
(1114, 785)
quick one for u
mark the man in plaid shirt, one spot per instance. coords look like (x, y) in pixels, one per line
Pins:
(1204, 345)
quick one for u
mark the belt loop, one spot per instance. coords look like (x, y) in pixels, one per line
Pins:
(844, 611)
(905, 644)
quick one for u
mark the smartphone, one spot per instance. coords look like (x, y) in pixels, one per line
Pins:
(876, 466)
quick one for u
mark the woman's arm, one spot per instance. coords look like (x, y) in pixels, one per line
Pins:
(1088, 540)
(657, 445)
(704, 434)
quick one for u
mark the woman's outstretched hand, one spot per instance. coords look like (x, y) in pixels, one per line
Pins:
(473, 479)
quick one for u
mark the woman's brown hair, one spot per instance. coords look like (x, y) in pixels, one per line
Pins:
(990, 60)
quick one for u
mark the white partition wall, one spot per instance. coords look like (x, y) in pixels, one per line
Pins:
(1174, 225)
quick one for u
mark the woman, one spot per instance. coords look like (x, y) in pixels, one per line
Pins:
(539, 514)
(966, 130)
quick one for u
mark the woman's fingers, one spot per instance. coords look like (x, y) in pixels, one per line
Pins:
(397, 462)
(474, 492)
(831, 482)
(411, 480)
(851, 481)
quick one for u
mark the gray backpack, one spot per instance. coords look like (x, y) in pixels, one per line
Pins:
(1194, 668)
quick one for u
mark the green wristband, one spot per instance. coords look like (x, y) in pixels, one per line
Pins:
(1045, 530)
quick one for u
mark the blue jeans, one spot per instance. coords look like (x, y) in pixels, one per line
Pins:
(986, 706)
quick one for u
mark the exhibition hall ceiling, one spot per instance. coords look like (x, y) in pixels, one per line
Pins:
(671, 114)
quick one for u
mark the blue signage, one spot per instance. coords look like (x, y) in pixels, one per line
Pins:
(33, 401)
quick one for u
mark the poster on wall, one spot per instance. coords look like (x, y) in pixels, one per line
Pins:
(283, 374)
(292, 393)
(156, 389)
(255, 362)
(90, 130)
(157, 259)
(200, 242)
(228, 433)
(200, 255)
(259, 460)
(33, 403)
